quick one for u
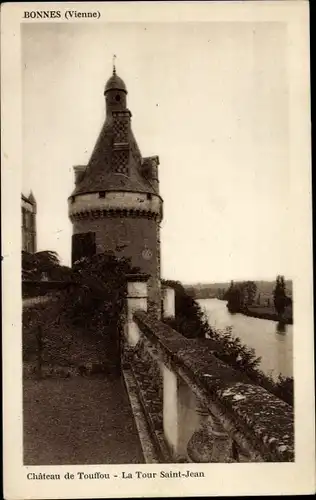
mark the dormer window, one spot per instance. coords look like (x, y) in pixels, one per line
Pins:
(101, 194)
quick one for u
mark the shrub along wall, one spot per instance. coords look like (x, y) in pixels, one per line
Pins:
(90, 309)
(39, 288)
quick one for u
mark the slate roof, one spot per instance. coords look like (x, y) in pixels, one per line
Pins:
(99, 174)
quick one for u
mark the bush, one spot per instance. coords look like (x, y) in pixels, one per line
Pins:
(45, 263)
(233, 352)
(97, 297)
(189, 318)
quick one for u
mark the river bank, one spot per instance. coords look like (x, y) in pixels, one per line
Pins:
(262, 312)
(265, 312)
(271, 343)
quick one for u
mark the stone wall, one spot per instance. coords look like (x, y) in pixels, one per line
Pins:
(205, 410)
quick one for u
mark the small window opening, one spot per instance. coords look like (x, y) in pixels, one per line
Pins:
(72, 199)
(102, 194)
(117, 97)
(149, 196)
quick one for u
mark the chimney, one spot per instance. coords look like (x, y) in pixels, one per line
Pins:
(79, 171)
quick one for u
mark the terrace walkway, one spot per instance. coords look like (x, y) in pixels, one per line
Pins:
(68, 417)
(78, 420)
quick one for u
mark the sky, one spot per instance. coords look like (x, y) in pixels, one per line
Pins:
(210, 99)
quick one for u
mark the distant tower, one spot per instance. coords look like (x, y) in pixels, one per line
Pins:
(28, 213)
(116, 205)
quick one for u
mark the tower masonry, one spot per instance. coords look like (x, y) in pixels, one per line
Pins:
(116, 205)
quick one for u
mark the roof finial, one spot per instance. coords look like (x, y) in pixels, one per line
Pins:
(114, 69)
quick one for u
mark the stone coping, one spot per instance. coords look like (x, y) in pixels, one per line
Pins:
(135, 277)
(246, 409)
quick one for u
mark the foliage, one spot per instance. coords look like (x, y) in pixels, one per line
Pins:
(233, 352)
(249, 290)
(234, 297)
(83, 320)
(189, 318)
(240, 296)
(44, 265)
(98, 294)
(218, 290)
(280, 299)
(220, 293)
(282, 388)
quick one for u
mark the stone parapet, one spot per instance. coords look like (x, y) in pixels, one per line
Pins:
(114, 203)
(213, 413)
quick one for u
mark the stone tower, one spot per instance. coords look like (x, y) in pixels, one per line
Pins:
(116, 205)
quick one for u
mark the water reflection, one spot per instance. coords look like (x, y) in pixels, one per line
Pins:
(281, 327)
(272, 341)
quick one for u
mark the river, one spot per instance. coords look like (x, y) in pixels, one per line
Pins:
(274, 347)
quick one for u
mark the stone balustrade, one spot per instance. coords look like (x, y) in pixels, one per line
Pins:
(198, 408)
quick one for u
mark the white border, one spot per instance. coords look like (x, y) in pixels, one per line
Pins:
(220, 479)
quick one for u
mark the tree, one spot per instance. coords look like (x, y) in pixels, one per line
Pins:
(249, 291)
(44, 265)
(235, 297)
(280, 298)
(228, 292)
(35, 265)
(220, 293)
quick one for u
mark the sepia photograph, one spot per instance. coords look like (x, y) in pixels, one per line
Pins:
(159, 281)
(210, 141)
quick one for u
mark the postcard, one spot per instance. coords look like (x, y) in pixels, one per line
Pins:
(157, 249)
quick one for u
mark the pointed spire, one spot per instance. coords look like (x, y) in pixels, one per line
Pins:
(31, 198)
(114, 68)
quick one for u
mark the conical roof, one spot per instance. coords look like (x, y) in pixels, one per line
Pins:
(100, 174)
